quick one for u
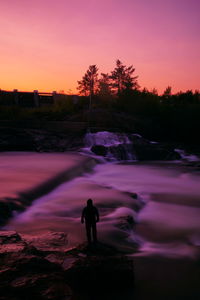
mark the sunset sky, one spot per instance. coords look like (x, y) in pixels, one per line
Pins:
(47, 45)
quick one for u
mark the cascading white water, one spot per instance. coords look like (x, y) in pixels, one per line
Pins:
(118, 145)
(124, 147)
(187, 157)
(106, 139)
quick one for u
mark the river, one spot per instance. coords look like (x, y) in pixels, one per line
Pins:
(165, 213)
(148, 210)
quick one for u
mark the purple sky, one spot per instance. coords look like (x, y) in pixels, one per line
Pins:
(48, 45)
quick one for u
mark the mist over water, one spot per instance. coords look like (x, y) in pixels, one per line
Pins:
(168, 224)
(170, 219)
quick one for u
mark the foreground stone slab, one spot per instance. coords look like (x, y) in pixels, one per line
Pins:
(57, 273)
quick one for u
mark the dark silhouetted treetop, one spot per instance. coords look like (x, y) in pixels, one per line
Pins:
(105, 85)
(122, 78)
(89, 83)
(167, 92)
(154, 91)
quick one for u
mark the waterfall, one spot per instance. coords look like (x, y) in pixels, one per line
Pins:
(113, 146)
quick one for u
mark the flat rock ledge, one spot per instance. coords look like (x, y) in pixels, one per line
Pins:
(45, 268)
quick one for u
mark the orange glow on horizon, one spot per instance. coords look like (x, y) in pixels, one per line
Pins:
(48, 46)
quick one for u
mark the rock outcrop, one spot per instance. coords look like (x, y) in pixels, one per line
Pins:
(19, 139)
(137, 148)
(46, 269)
(147, 150)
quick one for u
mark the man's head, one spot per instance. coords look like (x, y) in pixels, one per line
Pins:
(89, 202)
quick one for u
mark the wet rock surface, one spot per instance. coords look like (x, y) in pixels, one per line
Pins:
(40, 140)
(18, 139)
(147, 150)
(99, 150)
(45, 269)
(136, 148)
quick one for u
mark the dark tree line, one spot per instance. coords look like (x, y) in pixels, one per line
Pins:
(172, 117)
(166, 117)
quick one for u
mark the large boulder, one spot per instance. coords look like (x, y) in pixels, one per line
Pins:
(148, 150)
(123, 152)
(100, 268)
(26, 274)
(154, 152)
(99, 150)
(10, 241)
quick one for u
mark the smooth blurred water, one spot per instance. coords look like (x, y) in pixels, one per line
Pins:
(168, 224)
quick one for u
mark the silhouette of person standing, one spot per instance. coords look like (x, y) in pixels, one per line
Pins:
(90, 215)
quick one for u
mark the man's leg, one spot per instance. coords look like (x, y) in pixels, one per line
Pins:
(88, 232)
(94, 232)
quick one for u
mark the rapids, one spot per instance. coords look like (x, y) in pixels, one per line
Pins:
(148, 210)
(112, 142)
(166, 211)
(163, 219)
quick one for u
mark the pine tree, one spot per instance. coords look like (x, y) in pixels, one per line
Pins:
(167, 92)
(89, 83)
(104, 85)
(122, 78)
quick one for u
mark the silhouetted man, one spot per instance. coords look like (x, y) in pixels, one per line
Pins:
(90, 215)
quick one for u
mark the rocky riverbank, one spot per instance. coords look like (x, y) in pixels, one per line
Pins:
(18, 139)
(45, 268)
(137, 147)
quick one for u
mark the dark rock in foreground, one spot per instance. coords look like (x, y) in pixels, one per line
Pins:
(29, 272)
